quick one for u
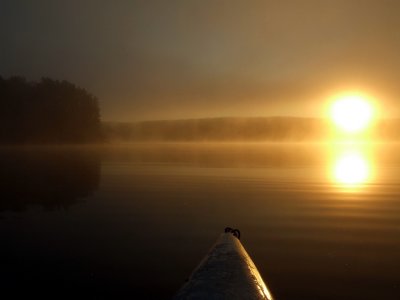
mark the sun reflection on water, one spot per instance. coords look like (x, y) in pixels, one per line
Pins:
(352, 167)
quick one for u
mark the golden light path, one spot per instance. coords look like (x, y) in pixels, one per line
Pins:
(352, 113)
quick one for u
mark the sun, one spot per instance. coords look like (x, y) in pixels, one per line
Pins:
(352, 113)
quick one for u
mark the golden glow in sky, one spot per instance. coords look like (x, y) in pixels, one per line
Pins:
(352, 113)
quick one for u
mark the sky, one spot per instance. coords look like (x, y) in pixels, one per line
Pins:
(151, 59)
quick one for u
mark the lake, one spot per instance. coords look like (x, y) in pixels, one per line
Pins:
(320, 221)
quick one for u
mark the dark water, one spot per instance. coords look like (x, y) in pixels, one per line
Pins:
(320, 221)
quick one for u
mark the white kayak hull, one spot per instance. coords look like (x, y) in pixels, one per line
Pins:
(227, 272)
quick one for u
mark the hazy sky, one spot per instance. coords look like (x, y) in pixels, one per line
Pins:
(206, 58)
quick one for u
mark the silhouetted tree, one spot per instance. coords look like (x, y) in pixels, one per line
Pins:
(48, 111)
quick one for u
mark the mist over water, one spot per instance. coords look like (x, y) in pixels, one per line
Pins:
(320, 221)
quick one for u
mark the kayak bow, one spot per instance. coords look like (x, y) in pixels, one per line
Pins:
(227, 272)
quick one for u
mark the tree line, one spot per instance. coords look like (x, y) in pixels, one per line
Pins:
(219, 129)
(251, 129)
(47, 111)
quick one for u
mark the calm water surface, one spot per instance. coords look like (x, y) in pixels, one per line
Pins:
(320, 221)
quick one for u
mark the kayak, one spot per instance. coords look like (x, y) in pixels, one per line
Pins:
(227, 272)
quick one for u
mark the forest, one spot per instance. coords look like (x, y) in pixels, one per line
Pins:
(48, 111)
(219, 129)
(262, 129)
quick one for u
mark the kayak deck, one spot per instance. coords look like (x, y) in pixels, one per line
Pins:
(227, 272)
